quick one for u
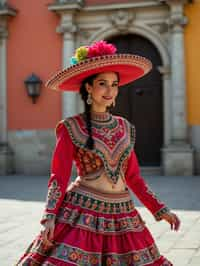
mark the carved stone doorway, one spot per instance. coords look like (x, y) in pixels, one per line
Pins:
(141, 102)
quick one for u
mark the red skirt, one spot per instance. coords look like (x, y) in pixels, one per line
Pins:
(93, 229)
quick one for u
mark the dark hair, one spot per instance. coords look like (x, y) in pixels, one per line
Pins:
(84, 96)
(87, 111)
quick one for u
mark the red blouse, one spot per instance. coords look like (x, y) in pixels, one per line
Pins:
(69, 148)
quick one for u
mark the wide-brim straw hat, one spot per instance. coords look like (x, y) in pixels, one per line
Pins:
(129, 67)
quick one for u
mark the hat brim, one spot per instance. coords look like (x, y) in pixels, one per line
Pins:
(129, 67)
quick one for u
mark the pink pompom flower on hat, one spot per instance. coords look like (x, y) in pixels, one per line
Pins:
(101, 48)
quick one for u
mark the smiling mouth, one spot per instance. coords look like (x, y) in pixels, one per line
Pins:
(107, 97)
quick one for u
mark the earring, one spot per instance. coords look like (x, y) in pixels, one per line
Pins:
(89, 99)
(113, 103)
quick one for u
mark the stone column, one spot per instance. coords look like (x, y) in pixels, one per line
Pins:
(179, 129)
(68, 29)
(167, 100)
(6, 154)
(178, 155)
(3, 98)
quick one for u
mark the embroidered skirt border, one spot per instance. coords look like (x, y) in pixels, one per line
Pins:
(96, 229)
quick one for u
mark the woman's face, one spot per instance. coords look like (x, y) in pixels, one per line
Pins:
(103, 91)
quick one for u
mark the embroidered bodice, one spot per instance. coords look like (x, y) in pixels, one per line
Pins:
(113, 140)
(113, 153)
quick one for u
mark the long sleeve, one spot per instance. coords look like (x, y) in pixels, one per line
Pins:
(61, 166)
(140, 188)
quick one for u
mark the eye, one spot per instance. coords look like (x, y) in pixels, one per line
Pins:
(115, 84)
(101, 83)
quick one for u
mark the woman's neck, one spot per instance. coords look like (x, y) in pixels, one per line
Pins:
(98, 110)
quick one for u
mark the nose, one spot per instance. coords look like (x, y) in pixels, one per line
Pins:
(109, 91)
(109, 86)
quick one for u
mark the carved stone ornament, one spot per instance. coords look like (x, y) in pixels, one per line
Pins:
(161, 28)
(85, 34)
(176, 23)
(67, 28)
(122, 20)
(6, 9)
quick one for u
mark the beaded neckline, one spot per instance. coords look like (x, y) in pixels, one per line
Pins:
(100, 116)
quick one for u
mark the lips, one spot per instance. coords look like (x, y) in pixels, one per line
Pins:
(107, 97)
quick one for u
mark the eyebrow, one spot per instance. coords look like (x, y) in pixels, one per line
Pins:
(107, 80)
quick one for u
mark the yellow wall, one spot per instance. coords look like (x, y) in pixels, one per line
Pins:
(192, 52)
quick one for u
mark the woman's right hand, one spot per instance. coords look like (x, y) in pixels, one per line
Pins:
(48, 232)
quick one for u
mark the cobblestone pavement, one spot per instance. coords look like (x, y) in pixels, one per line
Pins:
(22, 202)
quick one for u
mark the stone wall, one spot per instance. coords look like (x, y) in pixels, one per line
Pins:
(33, 150)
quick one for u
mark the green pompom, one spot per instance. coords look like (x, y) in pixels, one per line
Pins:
(81, 53)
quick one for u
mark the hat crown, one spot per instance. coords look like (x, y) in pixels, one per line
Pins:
(96, 49)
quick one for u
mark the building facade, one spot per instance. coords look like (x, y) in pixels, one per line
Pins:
(40, 37)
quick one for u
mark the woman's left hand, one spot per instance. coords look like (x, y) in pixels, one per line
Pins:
(172, 219)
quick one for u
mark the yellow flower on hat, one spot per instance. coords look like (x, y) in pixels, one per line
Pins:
(81, 53)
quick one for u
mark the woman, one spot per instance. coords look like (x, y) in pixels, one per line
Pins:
(93, 221)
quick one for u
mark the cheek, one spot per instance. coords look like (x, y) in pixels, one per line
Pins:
(98, 92)
(116, 92)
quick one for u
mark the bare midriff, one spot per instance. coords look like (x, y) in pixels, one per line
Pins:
(103, 183)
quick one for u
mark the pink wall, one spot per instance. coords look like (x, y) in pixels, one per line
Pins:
(33, 46)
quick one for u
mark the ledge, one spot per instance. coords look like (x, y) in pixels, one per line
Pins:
(138, 4)
(7, 10)
(66, 5)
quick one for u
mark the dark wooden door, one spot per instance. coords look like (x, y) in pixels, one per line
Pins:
(141, 102)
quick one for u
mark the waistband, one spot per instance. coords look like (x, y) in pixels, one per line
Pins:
(95, 193)
(103, 202)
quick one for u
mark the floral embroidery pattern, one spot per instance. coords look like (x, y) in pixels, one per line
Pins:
(89, 163)
(115, 204)
(100, 224)
(113, 142)
(40, 248)
(53, 195)
(36, 247)
(76, 255)
(97, 205)
(158, 214)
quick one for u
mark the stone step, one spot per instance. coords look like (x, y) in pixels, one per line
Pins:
(152, 171)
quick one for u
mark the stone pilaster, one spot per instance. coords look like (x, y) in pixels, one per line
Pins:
(67, 10)
(6, 153)
(3, 93)
(178, 154)
(176, 23)
(68, 28)
(165, 71)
